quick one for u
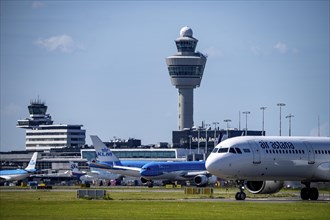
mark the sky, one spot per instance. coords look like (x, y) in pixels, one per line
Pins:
(101, 64)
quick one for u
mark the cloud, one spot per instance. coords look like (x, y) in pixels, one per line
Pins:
(63, 43)
(212, 52)
(281, 47)
(38, 4)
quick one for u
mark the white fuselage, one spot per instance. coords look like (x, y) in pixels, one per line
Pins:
(272, 158)
(13, 175)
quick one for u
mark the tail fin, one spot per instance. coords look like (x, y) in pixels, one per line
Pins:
(103, 153)
(74, 167)
(32, 164)
(75, 170)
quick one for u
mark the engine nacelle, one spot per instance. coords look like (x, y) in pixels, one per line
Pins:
(144, 181)
(264, 187)
(202, 180)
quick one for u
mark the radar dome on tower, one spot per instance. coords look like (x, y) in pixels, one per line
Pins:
(186, 32)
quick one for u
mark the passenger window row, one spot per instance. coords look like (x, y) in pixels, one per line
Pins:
(322, 151)
(285, 152)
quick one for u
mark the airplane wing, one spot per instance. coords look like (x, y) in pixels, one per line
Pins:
(5, 178)
(195, 173)
(116, 169)
(127, 168)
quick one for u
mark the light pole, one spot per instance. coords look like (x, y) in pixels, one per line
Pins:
(190, 144)
(318, 126)
(280, 104)
(227, 121)
(199, 136)
(263, 119)
(206, 125)
(239, 120)
(246, 113)
(289, 117)
(215, 132)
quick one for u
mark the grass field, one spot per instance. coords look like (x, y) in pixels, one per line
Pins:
(151, 204)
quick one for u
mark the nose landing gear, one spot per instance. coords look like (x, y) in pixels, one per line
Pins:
(241, 194)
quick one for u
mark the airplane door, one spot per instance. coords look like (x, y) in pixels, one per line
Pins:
(256, 152)
(311, 155)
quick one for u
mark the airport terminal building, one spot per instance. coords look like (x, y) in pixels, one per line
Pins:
(42, 134)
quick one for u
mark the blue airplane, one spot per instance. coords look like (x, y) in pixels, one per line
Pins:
(19, 174)
(177, 171)
(106, 160)
(149, 171)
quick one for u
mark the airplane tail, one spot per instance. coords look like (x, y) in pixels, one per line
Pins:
(74, 167)
(75, 170)
(32, 164)
(103, 153)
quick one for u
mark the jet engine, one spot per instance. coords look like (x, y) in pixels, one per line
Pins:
(144, 181)
(264, 187)
(203, 180)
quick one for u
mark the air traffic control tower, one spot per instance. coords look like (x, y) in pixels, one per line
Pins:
(186, 69)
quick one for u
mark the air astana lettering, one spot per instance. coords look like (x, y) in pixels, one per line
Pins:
(276, 145)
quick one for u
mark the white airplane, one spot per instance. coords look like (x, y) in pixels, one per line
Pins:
(19, 174)
(262, 163)
(92, 175)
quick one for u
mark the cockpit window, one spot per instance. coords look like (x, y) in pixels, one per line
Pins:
(238, 150)
(232, 150)
(246, 150)
(223, 150)
(215, 150)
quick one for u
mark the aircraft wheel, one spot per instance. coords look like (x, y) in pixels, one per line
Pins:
(240, 196)
(243, 196)
(313, 194)
(237, 197)
(304, 193)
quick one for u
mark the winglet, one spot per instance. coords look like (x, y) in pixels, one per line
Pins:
(103, 153)
(32, 164)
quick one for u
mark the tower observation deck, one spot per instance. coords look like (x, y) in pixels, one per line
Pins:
(38, 116)
(186, 69)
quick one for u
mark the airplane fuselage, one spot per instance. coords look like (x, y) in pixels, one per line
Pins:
(172, 171)
(13, 175)
(272, 158)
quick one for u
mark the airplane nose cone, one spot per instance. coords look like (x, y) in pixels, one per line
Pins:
(210, 164)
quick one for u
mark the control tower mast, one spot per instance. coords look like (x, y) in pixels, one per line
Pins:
(186, 69)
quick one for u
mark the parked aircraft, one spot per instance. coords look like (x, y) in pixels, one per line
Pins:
(93, 174)
(177, 171)
(149, 171)
(262, 163)
(106, 160)
(19, 174)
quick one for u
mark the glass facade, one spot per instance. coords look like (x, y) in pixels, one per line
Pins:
(186, 70)
(131, 154)
(186, 45)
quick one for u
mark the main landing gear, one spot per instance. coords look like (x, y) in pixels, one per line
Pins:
(307, 192)
(240, 195)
